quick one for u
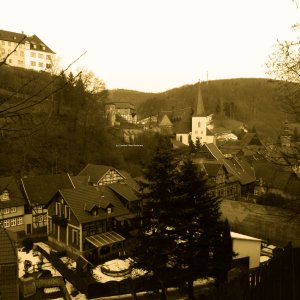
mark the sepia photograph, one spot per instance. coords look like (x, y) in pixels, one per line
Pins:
(150, 150)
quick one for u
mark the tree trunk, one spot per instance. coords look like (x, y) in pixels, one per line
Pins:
(191, 289)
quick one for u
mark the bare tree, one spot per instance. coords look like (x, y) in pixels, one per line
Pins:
(284, 66)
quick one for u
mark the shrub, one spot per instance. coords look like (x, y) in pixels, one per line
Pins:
(28, 243)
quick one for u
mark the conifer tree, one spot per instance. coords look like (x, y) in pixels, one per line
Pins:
(223, 253)
(192, 146)
(158, 188)
(197, 144)
(195, 219)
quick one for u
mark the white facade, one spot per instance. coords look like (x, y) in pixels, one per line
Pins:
(25, 51)
(199, 129)
(183, 138)
(247, 246)
(37, 60)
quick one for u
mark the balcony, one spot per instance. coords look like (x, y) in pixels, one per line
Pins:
(60, 220)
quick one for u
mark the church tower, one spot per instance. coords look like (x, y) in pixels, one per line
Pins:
(199, 118)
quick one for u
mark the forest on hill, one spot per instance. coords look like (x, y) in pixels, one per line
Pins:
(53, 124)
(252, 101)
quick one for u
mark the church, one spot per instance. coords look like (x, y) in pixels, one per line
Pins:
(196, 127)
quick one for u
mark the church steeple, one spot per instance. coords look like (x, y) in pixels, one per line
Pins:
(198, 109)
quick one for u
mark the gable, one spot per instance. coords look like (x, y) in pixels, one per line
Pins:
(111, 176)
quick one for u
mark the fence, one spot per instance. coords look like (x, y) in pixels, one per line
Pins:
(72, 276)
(276, 279)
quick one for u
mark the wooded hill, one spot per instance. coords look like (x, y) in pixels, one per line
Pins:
(252, 101)
(53, 124)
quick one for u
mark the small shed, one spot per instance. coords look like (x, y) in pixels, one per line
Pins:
(246, 246)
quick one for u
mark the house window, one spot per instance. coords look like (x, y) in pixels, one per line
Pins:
(6, 223)
(34, 46)
(45, 218)
(67, 212)
(13, 222)
(41, 218)
(3, 51)
(33, 63)
(5, 195)
(58, 209)
(41, 55)
(74, 236)
(10, 61)
(13, 210)
(6, 211)
(22, 53)
(109, 210)
(48, 57)
(199, 124)
(9, 43)
(41, 65)
(32, 54)
(19, 221)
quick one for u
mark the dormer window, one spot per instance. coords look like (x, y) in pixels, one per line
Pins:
(5, 195)
(109, 210)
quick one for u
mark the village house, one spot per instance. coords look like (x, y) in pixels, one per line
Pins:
(124, 110)
(13, 214)
(9, 284)
(29, 51)
(221, 184)
(38, 190)
(271, 179)
(236, 171)
(84, 221)
(102, 175)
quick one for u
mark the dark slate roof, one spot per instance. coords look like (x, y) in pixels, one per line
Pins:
(274, 177)
(239, 168)
(34, 40)
(212, 168)
(21, 37)
(81, 198)
(96, 172)
(16, 197)
(40, 189)
(10, 36)
(124, 191)
(79, 181)
(8, 254)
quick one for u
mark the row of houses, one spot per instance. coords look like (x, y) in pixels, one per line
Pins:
(78, 213)
(90, 214)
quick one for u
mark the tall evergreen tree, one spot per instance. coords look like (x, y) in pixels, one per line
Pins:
(158, 189)
(223, 254)
(195, 219)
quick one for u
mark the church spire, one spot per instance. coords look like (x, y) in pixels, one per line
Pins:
(198, 103)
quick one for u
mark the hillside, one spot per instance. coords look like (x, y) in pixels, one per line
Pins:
(248, 100)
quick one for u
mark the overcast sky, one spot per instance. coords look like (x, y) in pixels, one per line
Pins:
(156, 45)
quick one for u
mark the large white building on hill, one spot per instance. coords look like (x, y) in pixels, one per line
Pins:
(29, 52)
